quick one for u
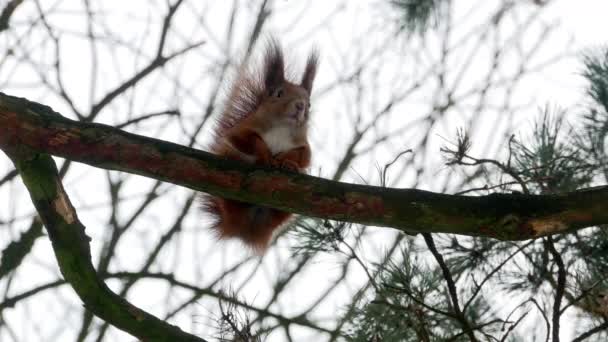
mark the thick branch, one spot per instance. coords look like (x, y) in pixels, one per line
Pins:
(503, 216)
(7, 12)
(72, 250)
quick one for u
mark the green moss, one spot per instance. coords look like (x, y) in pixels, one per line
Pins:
(34, 170)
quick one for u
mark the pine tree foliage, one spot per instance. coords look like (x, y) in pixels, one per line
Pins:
(417, 15)
(506, 288)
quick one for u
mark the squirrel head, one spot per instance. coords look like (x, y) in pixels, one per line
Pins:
(267, 95)
(283, 101)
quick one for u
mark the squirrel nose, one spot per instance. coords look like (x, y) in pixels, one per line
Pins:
(300, 105)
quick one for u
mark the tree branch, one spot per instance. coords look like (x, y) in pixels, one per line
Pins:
(71, 246)
(453, 292)
(7, 12)
(503, 216)
(559, 291)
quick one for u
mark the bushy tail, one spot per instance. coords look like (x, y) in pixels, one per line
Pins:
(252, 224)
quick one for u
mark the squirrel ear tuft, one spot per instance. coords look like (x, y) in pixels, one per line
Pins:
(274, 68)
(310, 71)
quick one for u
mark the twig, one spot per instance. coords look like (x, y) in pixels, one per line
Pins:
(559, 290)
(428, 238)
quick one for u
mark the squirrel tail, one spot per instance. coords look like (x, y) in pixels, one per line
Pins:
(252, 224)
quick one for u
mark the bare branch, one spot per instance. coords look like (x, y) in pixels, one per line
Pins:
(447, 275)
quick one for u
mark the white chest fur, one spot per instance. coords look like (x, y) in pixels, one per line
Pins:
(279, 139)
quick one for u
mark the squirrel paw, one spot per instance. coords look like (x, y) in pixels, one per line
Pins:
(286, 164)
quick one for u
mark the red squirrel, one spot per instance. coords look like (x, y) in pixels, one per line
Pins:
(264, 121)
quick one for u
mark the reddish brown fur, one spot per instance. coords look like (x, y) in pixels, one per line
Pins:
(259, 103)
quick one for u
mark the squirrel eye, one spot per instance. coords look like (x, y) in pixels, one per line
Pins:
(277, 92)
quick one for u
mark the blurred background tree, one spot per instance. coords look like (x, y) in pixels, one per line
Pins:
(400, 82)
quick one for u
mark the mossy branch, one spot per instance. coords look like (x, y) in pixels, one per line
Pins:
(71, 246)
(504, 216)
